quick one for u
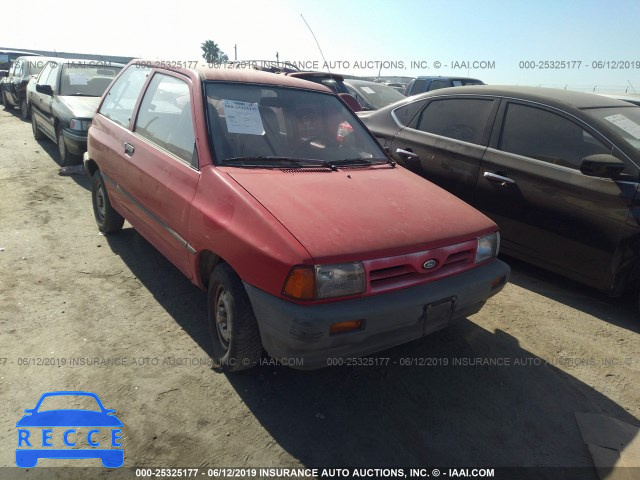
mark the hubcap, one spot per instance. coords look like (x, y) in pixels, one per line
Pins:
(223, 316)
(61, 147)
(100, 203)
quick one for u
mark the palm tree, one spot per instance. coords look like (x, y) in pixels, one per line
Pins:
(212, 53)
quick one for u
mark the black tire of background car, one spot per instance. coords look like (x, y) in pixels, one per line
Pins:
(65, 157)
(37, 134)
(5, 102)
(108, 220)
(24, 110)
(245, 346)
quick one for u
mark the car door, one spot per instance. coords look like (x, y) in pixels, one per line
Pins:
(550, 213)
(160, 167)
(14, 79)
(449, 138)
(43, 106)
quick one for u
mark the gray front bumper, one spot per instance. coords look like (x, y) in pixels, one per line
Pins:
(299, 334)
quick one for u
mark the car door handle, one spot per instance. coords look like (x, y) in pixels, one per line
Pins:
(129, 149)
(499, 178)
(406, 153)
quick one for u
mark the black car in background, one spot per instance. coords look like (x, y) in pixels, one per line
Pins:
(64, 99)
(427, 84)
(558, 171)
(13, 88)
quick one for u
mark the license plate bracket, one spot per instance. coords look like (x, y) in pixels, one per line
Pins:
(438, 314)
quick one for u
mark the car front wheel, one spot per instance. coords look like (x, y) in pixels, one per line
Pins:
(5, 102)
(234, 329)
(24, 109)
(37, 134)
(108, 220)
(65, 157)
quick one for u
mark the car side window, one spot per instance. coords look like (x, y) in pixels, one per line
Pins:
(458, 118)
(407, 112)
(543, 135)
(17, 69)
(165, 117)
(121, 98)
(53, 76)
(44, 74)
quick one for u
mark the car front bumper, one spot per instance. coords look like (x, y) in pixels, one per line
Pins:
(299, 335)
(75, 141)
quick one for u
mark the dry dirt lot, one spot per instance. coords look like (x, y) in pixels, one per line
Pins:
(69, 293)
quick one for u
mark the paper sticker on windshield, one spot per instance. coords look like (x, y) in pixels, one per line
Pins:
(243, 117)
(77, 79)
(368, 90)
(626, 124)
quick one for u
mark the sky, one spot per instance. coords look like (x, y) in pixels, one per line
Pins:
(497, 41)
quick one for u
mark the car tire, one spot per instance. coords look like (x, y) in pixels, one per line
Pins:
(5, 102)
(108, 220)
(24, 109)
(234, 330)
(37, 134)
(66, 158)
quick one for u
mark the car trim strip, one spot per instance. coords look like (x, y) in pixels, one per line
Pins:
(151, 215)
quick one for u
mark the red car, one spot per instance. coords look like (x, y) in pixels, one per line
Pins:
(311, 242)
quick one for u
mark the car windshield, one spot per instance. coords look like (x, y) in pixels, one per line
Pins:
(623, 120)
(377, 94)
(88, 80)
(254, 125)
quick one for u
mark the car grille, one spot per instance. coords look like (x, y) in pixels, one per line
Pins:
(391, 273)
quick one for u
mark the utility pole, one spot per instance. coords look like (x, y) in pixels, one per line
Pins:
(235, 52)
(277, 58)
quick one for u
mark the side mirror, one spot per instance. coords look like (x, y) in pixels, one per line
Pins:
(602, 165)
(45, 89)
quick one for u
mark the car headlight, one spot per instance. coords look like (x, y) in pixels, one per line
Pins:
(79, 124)
(325, 281)
(488, 247)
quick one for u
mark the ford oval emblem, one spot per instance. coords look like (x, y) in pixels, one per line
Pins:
(429, 264)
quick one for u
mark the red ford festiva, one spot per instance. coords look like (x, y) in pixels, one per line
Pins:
(311, 242)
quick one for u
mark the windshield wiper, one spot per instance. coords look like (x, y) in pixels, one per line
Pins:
(276, 162)
(357, 162)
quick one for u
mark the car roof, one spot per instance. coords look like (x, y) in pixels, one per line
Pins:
(239, 75)
(550, 96)
(21, 52)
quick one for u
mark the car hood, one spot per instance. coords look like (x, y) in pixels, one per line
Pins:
(362, 212)
(81, 107)
(69, 418)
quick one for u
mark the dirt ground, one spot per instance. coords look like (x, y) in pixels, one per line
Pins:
(67, 292)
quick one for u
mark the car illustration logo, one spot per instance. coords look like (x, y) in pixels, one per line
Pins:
(69, 433)
(429, 264)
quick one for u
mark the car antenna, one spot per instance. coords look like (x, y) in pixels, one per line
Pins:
(314, 37)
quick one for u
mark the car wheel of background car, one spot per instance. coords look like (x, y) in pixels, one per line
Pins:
(65, 157)
(37, 134)
(108, 220)
(234, 329)
(24, 109)
(5, 102)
